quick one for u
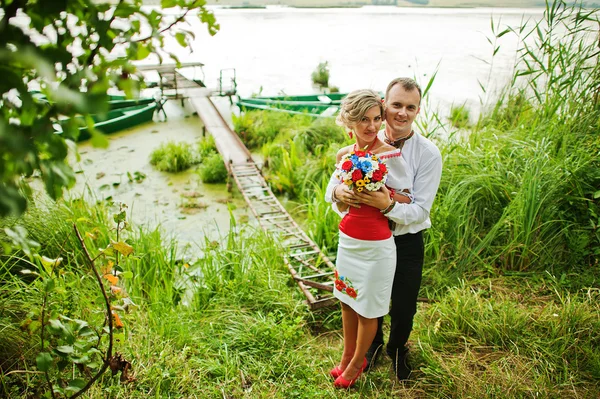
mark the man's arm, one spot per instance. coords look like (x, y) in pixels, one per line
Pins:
(425, 186)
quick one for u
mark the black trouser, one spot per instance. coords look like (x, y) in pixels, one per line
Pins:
(407, 281)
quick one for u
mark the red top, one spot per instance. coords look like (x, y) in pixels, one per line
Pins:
(365, 223)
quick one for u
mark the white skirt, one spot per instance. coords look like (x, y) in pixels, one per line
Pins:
(365, 274)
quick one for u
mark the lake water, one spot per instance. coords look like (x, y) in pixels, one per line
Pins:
(278, 48)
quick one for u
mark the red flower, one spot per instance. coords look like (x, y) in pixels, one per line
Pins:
(377, 175)
(360, 153)
(382, 168)
(357, 175)
(347, 165)
(336, 274)
(339, 285)
(351, 292)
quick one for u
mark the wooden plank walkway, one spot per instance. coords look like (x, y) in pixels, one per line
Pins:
(309, 267)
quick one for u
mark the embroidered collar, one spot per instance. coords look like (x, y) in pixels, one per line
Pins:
(400, 142)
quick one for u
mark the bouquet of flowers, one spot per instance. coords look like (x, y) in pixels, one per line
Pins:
(362, 170)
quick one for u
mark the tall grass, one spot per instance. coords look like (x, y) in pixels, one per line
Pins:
(245, 332)
(518, 193)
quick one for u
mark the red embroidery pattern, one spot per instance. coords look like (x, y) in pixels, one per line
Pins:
(393, 155)
(342, 284)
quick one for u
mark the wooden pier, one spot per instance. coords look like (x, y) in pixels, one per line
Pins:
(309, 267)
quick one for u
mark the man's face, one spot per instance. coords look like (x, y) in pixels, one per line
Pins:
(402, 108)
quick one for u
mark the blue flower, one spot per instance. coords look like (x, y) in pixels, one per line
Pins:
(364, 165)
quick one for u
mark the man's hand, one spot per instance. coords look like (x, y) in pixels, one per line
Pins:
(378, 199)
(344, 194)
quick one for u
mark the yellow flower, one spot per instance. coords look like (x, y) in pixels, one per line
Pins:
(349, 182)
(360, 183)
(359, 189)
(367, 180)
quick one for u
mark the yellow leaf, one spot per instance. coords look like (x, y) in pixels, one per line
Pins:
(114, 280)
(123, 248)
(117, 320)
(107, 269)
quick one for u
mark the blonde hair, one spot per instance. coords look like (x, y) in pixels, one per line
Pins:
(355, 105)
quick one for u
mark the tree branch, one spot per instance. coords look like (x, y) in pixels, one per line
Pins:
(179, 19)
(109, 315)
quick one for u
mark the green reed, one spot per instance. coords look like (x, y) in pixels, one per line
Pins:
(518, 193)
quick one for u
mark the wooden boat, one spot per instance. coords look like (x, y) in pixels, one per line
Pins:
(317, 105)
(117, 119)
(116, 102)
(321, 98)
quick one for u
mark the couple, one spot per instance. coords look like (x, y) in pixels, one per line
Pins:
(380, 251)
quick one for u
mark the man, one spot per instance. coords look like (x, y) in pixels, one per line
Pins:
(402, 101)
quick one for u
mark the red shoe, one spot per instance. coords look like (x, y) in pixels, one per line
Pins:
(341, 382)
(336, 372)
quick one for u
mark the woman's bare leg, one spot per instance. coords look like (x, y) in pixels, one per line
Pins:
(350, 329)
(364, 337)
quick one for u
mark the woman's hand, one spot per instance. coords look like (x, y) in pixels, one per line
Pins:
(378, 199)
(344, 194)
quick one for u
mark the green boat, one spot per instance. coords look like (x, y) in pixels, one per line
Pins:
(116, 102)
(317, 105)
(320, 98)
(117, 119)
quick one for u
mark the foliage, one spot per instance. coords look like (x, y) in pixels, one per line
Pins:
(459, 116)
(213, 170)
(74, 348)
(244, 321)
(521, 192)
(45, 80)
(257, 128)
(207, 147)
(320, 75)
(173, 157)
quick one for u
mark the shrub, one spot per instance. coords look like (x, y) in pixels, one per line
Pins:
(320, 76)
(207, 147)
(173, 157)
(212, 169)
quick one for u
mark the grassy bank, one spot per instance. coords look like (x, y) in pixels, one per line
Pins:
(512, 268)
(243, 331)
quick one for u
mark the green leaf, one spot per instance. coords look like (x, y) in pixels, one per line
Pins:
(76, 385)
(98, 140)
(125, 274)
(43, 361)
(119, 217)
(49, 285)
(65, 349)
(597, 194)
(168, 3)
(181, 39)
(142, 52)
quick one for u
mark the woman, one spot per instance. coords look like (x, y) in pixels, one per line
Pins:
(366, 258)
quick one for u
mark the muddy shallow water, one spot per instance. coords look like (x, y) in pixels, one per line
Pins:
(185, 208)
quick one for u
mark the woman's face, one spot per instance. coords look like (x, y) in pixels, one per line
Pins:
(366, 130)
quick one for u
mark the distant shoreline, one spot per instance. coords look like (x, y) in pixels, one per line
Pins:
(461, 4)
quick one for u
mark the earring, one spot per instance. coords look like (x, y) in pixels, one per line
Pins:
(350, 134)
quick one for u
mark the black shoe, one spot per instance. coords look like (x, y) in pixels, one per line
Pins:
(373, 355)
(401, 367)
